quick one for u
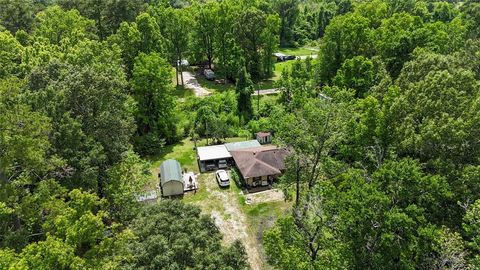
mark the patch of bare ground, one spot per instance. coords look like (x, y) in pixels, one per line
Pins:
(224, 207)
(271, 195)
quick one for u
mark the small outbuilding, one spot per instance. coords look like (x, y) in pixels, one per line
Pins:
(171, 179)
(264, 137)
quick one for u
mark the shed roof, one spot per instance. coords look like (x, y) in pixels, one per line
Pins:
(170, 170)
(263, 134)
(213, 152)
(242, 145)
(260, 161)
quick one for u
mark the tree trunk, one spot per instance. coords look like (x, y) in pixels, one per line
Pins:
(181, 73)
(176, 72)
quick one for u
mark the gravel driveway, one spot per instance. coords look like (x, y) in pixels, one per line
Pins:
(191, 82)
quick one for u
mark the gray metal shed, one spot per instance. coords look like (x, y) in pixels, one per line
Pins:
(171, 179)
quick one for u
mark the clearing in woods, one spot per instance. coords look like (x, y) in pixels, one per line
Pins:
(237, 220)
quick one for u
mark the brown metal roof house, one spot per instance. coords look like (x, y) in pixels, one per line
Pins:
(260, 166)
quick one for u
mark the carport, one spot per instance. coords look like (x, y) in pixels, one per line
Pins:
(210, 156)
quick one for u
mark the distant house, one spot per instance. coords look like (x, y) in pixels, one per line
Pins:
(264, 137)
(171, 179)
(260, 166)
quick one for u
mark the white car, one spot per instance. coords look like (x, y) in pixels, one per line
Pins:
(209, 74)
(222, 178)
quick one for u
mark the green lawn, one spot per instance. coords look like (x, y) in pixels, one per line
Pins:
(298, 51)
(214, 87)
(261, 217)
(265, 84)
(182, 92)
(184, 153)
(279, 67)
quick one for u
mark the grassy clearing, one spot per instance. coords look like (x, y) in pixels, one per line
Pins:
(228, 203)
(279, 67)
(261, 217)
(201, 195)
(265, 84)
(183, 152)
(182, 92)
(303, 51)
(214, 87)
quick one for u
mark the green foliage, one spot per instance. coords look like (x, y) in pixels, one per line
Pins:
(174, 235)
(49, 254)
(126, 180)
(335, 49)
(24, 133)
(216, 116)
(108, 15)
(288, 11)
(244, 90)
(133, 38)
(444, 11)
(10, 55)
(382, 131)
(153, 90)
(255, 32)
(356, 73)
(443, 126)
(176, 26)
(17, 14)
(59, 27)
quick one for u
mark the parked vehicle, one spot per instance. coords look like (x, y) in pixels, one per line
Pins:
(183, 63)
(209, 74)
(222, 164)
(210, 167)
(222, 178)
(289, 57)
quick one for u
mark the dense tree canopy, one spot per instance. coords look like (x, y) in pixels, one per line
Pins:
(381, 124)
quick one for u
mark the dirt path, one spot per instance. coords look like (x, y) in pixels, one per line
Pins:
(313, 56)
(266, 91)
(232, 222)
(191, 82)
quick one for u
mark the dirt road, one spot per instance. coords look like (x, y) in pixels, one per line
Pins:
(266, 92)
(231, 220)
(191, 82)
